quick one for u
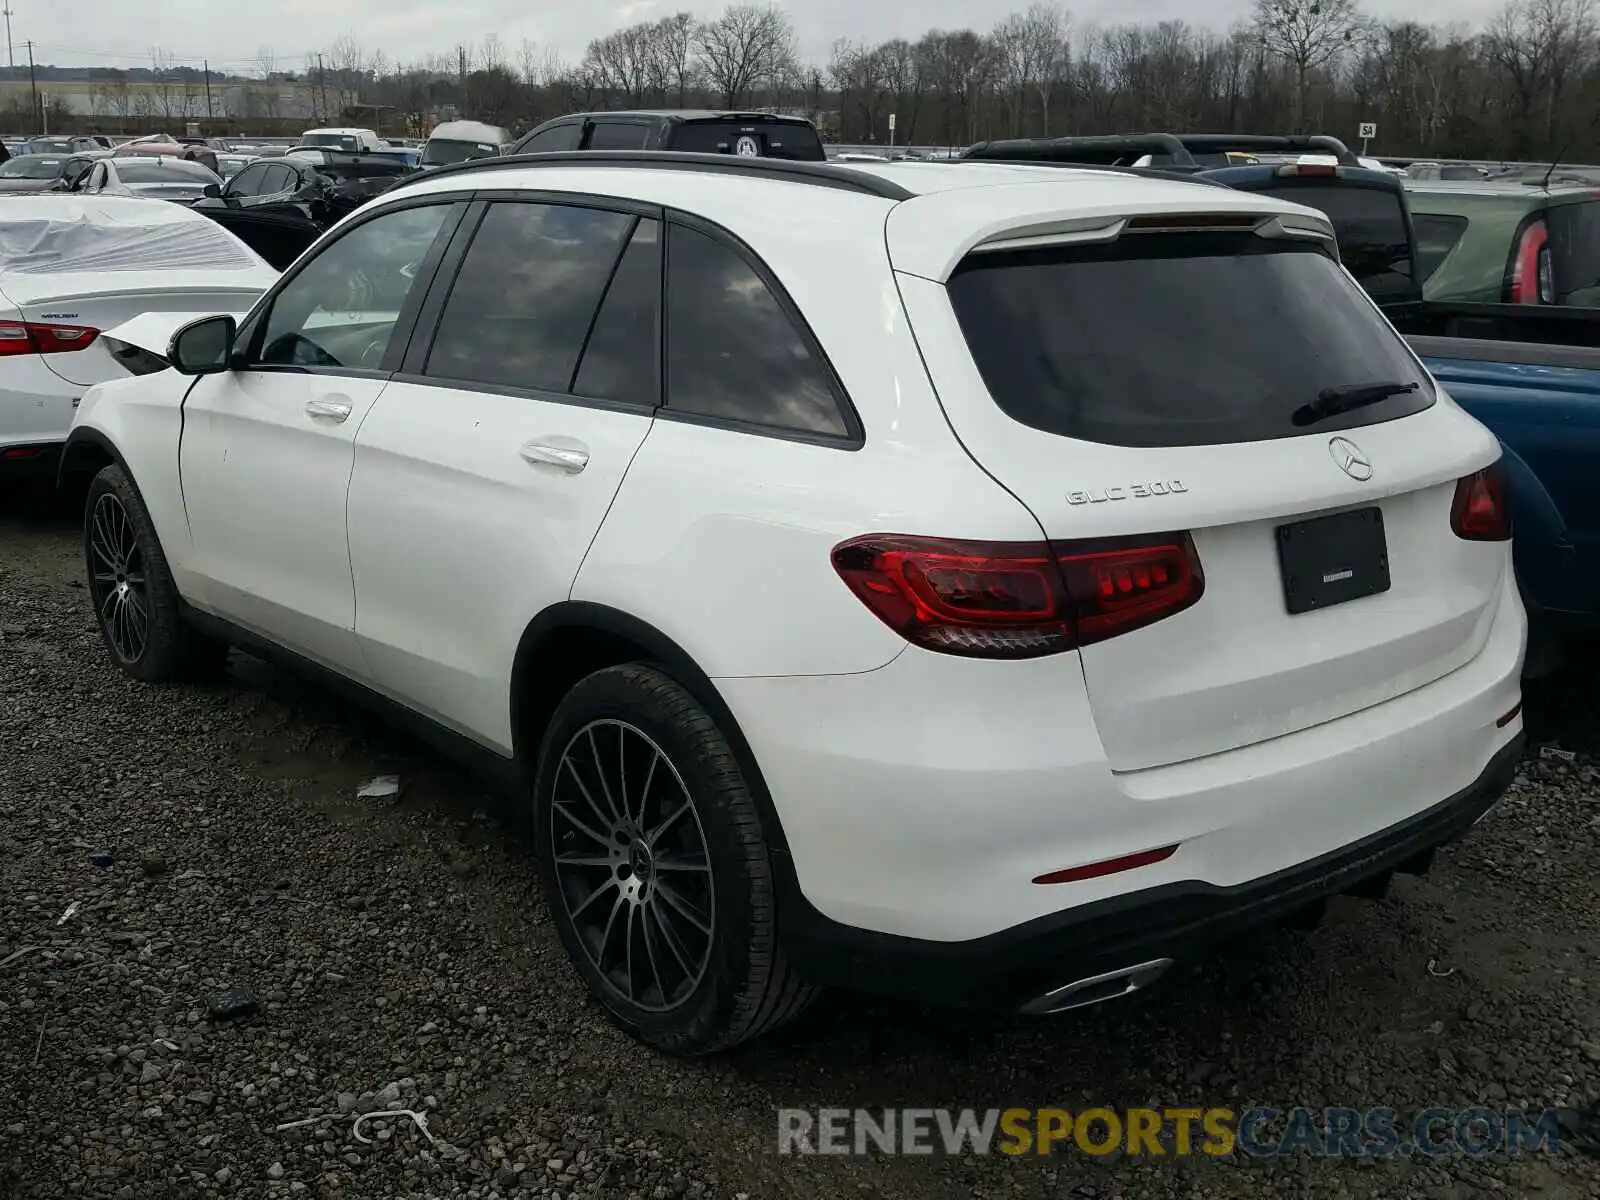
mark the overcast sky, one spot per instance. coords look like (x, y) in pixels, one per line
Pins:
(231, 34)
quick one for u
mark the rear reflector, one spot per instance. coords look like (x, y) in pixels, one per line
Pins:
(1510, 716)
(1019, 599)
(1107, 866)
(23, 452)
(1481, 509)
(31, 337)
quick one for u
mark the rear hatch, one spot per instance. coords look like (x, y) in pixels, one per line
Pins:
(1156, 382)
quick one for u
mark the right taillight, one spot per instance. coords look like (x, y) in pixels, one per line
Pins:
(1019, 599)
(1532, 280)
(1481, 510)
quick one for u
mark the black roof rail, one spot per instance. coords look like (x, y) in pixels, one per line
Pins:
(1108, 150)
(1315, 143)
(792, 171)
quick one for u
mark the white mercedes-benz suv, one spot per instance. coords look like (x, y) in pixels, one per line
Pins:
(979, 582)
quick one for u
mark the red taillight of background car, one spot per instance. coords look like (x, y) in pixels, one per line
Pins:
(32, 337)
(1019, 599)
(1532, 281)
(1481, 510)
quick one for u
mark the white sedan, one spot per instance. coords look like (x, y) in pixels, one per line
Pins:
(72, 267)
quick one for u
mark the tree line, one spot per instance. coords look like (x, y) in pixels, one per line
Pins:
(1526, 85)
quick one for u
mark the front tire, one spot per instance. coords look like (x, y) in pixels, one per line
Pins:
(657, 870)
(136, 603)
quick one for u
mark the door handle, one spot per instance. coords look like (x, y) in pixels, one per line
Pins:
(565, 454)
(333, 408)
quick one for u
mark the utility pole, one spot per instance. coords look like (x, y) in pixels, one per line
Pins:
(322, 91)
(11, 54)
(207, 63)
(33, 84)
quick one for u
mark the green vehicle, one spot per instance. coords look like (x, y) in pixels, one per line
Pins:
(1507, 243)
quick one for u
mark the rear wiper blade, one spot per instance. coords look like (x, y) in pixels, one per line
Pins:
(1331, 401)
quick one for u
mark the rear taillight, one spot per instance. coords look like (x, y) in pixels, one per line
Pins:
(1019, 599)
(1481, 510)
(31, 337)
(1532, 278)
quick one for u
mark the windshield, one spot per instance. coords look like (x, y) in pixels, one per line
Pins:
(30, 167)
(50, 146)
(334, 141)
(439, 151)
(754, 139)
(1176, 339)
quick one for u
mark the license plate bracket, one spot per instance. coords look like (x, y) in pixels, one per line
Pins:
(1332, 560)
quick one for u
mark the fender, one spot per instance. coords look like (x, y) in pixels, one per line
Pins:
(583, 637)
(1544, 554)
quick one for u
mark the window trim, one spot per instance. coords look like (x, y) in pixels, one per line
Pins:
(247, 348)
(426, 329)
(854, 437)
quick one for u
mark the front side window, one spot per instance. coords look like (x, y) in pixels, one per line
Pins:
(248, 181)
(733, 351)
(521, 308)
(559, 137)
(342, 308)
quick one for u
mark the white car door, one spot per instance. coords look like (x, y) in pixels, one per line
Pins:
(484, 472)
(267, 446)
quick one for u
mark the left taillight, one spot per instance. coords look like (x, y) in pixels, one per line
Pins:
(1018, 599)
(34, 337)
(1481, 510)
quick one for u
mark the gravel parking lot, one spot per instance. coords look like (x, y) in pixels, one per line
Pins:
(206, 838)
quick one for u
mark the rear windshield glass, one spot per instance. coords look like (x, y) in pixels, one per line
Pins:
(439, 151)
(32, 168)
(1575, 250)
(1371, 227)
(1177, 340)
(1437, 235)
(764, 139)
(333, 141)
(158, 171)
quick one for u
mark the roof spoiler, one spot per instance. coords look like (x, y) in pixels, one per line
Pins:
(1177, 149)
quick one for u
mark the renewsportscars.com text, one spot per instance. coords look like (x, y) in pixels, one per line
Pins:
(1164, 1132)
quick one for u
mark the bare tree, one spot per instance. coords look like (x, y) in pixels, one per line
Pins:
(743, 47)
(672, 59)
(1307, 35)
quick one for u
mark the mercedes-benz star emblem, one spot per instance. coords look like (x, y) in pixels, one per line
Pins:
(1350, 459)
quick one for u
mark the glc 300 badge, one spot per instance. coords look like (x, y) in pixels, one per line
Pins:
(1133, 491)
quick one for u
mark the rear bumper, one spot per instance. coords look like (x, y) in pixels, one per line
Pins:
(1010, 968)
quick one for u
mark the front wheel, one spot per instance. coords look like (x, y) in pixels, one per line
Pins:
(657, 870)
(136, 604)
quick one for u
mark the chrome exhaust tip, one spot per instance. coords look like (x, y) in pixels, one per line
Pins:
(1111, 985)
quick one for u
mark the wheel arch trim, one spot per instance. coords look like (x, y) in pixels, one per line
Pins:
(586, 615)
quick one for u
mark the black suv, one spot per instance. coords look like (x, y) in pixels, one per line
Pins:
(697, 131)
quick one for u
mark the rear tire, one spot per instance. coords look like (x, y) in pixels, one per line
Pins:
(656, 868)
(136, 603)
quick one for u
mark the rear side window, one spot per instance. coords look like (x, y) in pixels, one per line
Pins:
(618, 135)
(733, 351)
(1177, 339)
(752, 139)
(1575, 248)
(522, 304)
(1437, 235)
(1370, 224)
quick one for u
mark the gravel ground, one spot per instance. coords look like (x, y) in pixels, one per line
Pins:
(207, 838)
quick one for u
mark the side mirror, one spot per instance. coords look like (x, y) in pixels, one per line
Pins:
(202, 347)
(213, 191)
